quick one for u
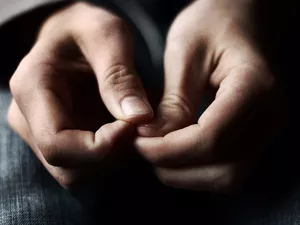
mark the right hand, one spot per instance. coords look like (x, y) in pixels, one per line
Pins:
(57, 108)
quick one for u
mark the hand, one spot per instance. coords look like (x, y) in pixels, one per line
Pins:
(211, 47)
(79, 73)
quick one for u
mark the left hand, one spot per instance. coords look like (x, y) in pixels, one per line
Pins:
(212, 46)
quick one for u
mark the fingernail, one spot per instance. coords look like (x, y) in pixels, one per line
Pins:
(133, 105)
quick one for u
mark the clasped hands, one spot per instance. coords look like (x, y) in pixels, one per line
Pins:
(80, 73)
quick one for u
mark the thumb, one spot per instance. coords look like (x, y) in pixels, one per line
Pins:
(184, 84)
(107, 45)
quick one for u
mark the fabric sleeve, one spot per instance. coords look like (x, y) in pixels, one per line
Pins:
(12, 8)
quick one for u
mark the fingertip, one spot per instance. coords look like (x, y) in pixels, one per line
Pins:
(149, 130)
(137, 110)
(157, 128)
(119, 125)
(114, 130)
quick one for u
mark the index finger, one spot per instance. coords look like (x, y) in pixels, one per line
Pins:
(48, 117)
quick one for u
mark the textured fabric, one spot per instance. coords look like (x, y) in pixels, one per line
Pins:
(28, 194)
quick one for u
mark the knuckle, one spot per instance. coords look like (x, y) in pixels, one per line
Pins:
(115, 23)
(49, 150)
(67, 179)
(103, 25)
(82, 10)
(20, 77)
(120, 79)
(14, 85)
(81, 5)
(11, 117)
(177, 104)
(29, 72)
(176, 43)
(176, 39)
(178, 32)
(181, 43)
(112, 25)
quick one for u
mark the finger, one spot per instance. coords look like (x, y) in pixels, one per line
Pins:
(227, 173)
(177, 148)
(107, 45)
(185, 79)
(202, 141)
(215, 178)
(48, 118)
(18, 123)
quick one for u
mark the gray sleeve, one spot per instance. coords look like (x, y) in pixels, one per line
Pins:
(12, 8)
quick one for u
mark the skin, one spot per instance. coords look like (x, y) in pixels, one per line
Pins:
(211, 48)
(68, 92)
